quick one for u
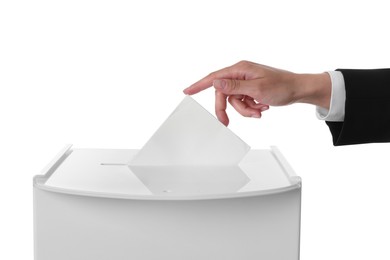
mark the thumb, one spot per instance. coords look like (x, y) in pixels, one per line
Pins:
(234, 86)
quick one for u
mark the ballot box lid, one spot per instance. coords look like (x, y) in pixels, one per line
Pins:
(106, 173)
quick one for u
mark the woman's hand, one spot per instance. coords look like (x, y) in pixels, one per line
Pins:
(251, 88)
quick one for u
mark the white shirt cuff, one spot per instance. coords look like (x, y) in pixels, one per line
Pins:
(337, 102)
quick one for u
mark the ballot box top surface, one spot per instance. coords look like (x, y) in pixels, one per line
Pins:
(107, 173)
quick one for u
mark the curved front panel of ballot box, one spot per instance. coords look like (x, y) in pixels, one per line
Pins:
(90, 204)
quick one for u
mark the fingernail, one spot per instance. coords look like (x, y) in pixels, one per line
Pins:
(264, 108)
(256, 115)
(219, 84)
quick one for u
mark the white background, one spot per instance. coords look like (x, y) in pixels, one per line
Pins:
(105, 74)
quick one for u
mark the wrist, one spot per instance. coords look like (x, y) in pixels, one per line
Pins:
(315, 89)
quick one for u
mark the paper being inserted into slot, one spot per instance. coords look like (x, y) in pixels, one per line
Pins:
(191, 136)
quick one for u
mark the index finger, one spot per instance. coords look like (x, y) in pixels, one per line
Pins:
(207, 81)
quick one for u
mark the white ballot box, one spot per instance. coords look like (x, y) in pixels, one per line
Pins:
(92, 204)
(194, 191)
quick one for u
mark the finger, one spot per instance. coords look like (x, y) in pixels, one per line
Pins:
(253, 104)
(250, 88)
(220, 108)
(207, 81)
(242, 107)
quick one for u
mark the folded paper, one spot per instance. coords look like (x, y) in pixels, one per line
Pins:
(191, 136)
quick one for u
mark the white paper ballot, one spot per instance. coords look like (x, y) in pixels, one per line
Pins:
(191, 136)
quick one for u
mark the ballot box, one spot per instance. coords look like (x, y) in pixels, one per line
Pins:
(94, 204)
(195, 190)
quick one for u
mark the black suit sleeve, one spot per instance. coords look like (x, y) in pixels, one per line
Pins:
(367, 108)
